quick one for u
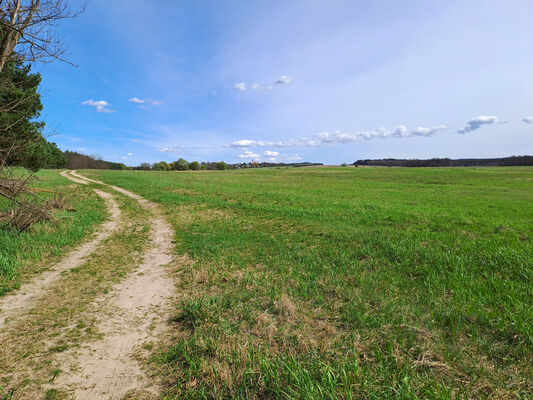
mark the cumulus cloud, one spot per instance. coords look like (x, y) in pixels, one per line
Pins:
(130, 154)
(175, 149)
(100, 105)
(269, 153)
(248, 154)
(255, 86)
(240, 86)
(284, 80)
(478, 122)
(338, 137)
(528, 120)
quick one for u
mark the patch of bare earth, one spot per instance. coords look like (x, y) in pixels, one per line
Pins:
(131, 315)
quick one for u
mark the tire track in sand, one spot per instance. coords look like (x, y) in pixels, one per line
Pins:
(133, 314)
(15, 305)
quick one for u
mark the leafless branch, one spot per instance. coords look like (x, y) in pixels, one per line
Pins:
(26, 26)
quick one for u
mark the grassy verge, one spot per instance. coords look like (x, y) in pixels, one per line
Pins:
(23, 254)
(333, 283)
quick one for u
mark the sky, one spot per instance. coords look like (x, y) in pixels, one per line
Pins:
(327, 81)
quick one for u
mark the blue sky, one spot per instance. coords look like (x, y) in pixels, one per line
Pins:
(303, 80)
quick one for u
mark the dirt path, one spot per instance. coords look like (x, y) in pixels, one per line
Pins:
(66, 174)
(132, 314)
(13, 306)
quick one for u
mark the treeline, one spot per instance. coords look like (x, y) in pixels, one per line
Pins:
(74, 160)
(184, 165)
(447, 162)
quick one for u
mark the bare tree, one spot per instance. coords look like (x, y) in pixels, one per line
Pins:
(26, 26)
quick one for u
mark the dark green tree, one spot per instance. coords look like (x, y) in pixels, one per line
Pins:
(221, 165)
(162, 166)
(20, 107)
(195, 166)
(43, 154)
(180, 165)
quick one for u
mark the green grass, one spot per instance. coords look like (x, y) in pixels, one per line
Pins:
(22, 254)
(371, 283)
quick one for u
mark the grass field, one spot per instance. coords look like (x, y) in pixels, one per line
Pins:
(370, 283)
(23, 254)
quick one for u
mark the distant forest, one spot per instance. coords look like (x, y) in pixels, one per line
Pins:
(74, 160)
(447, 162)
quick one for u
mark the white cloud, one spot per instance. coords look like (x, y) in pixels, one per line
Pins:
(421, 131)
(175, 149)
(100, 105)
(148, 100)
(284, 80)
(528, 120)
(130, 154)
(240, 86)
(269, 153)
(243, 143)
(400, 131)
(248, 154)
(338, 137)
(255, 86)
(478, 122)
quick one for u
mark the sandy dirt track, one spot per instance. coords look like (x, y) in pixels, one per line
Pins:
(132, 314)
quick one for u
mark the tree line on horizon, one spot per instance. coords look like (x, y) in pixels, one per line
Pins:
(74, 160)
(184, 165)
(448, 162)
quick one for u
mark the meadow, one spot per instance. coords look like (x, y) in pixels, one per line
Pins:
(24, 254)
(371, 283)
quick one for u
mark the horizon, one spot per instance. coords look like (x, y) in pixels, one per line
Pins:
(313, 163)
(316, 81)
